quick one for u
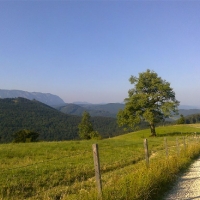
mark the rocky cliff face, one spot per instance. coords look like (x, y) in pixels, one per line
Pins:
(46, 98)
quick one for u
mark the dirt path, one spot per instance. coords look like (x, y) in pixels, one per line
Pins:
(188, 185)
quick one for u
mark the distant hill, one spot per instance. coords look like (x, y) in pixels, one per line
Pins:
(72, 109)
(105, 110)
(109, 110)
(20, 113)
(46, 98)
(109, 107)
(187, 107)
(185, 112)
(80, 102)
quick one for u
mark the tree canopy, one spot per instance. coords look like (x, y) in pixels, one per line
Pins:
(181, 120)
(150, 100)
(86, 130)
(25, 136)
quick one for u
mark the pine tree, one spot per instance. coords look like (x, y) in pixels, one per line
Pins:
(85, 127)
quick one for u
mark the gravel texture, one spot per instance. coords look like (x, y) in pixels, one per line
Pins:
(188, 185)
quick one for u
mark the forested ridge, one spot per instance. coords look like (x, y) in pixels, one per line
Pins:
(192, 119)
(52, 125)
(103, 110)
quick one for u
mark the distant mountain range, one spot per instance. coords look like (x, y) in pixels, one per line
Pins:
(47, 98)
(62, 123)
(185, 112)
(187, 107)
(104, 110)
(77, 108)
(108, 110)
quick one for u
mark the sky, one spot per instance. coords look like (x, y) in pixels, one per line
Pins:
(87, 50)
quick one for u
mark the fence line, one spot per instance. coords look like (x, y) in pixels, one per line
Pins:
(146, 150)
(60, 158)
(178, 142)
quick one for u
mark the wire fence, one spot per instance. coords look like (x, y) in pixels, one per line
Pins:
(38, 177)
(175, 147)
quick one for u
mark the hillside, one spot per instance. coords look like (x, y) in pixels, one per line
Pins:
(110, 107)
(104, 110)
(109, 110)
(74, 109)
(46, 98)
(20, 113)
(185, 112)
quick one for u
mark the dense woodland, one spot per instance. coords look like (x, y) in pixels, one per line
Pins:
(52, 125)
(192, 119)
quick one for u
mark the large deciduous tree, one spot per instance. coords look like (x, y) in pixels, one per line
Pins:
(151, 100)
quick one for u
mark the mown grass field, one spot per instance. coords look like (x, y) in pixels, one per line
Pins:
(65, 170)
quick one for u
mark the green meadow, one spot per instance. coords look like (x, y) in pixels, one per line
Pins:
(65, 170)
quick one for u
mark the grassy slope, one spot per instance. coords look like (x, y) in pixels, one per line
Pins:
(65, 169)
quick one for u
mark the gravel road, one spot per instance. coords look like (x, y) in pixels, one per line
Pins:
(188, 185)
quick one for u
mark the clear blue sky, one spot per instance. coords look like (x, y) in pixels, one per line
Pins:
(87, 50)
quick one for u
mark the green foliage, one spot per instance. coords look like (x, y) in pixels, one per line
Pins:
(151, 100)
(181, 120)
(85, 127)
(19, 113)
(192, 119)
(25, 136)
(95, 135)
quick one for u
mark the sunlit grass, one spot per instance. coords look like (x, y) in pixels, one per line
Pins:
(50, 170)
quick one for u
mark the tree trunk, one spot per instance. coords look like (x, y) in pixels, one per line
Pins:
(153, 131)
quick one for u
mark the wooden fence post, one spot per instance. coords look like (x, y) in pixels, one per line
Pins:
(97, 169)
(146, 152)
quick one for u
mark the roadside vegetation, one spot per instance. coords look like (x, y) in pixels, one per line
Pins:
(65, 170)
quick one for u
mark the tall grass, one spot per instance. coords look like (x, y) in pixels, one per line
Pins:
(140, 182)
(64, 170)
